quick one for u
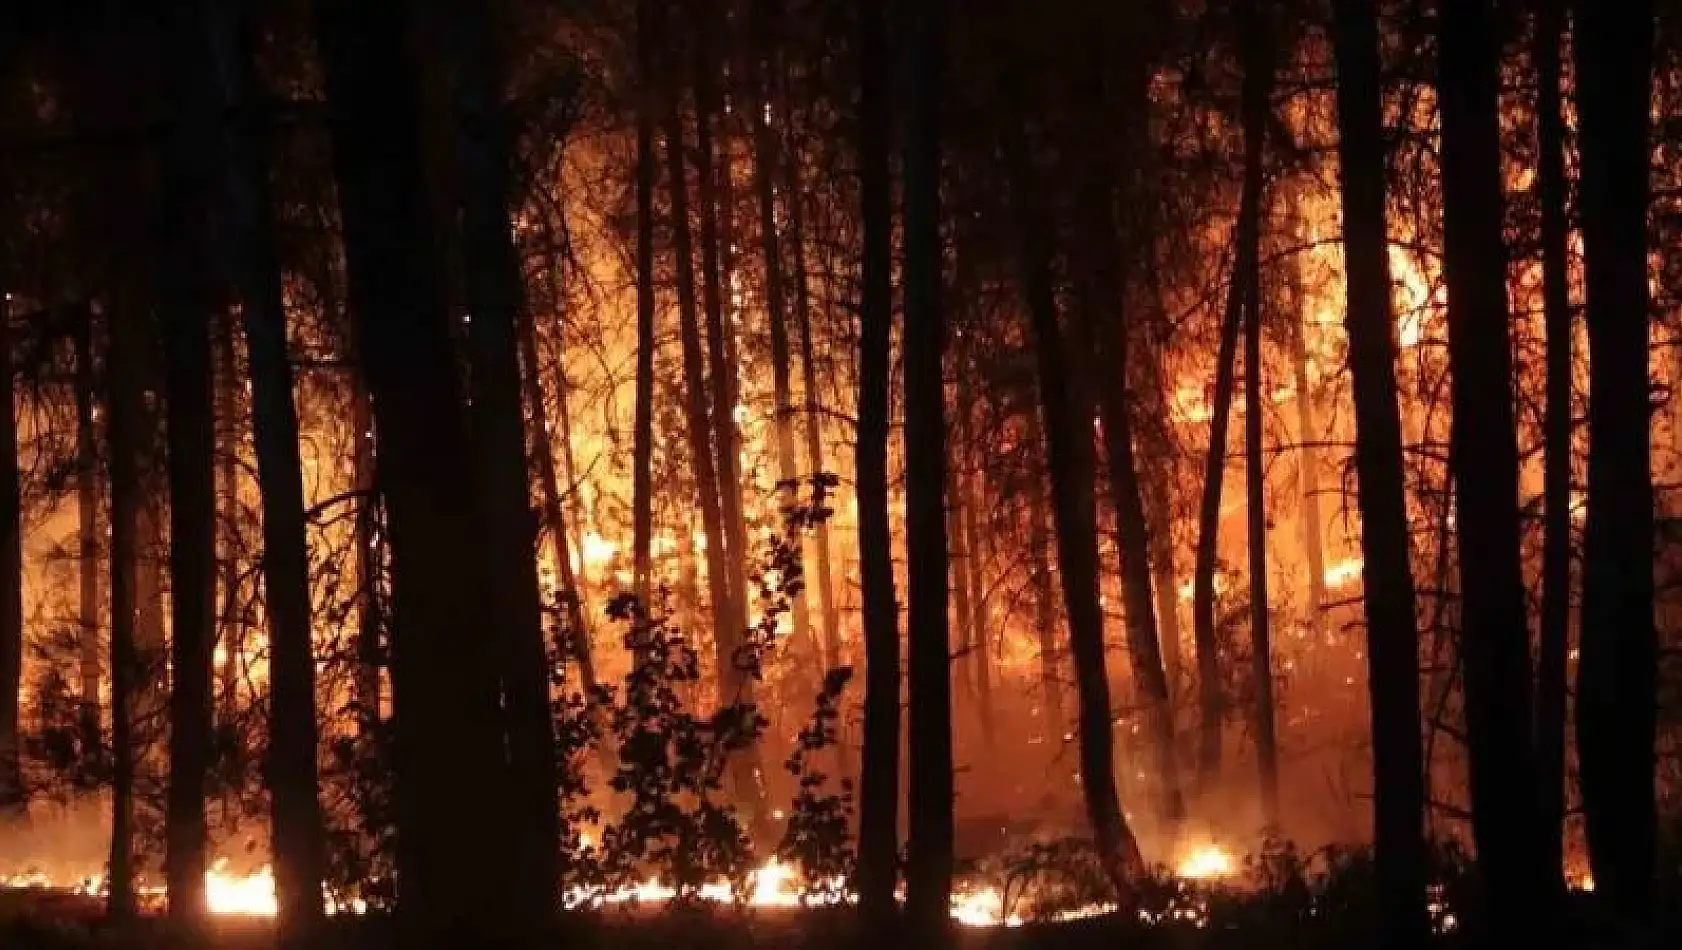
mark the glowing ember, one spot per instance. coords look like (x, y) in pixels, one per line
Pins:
(1206, 862)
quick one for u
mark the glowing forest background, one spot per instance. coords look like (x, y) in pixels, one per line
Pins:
(477, 445)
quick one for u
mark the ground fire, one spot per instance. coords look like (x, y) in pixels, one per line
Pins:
(1206, 466)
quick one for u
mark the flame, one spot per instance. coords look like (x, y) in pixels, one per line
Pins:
(1343, 572)
(1206, 862)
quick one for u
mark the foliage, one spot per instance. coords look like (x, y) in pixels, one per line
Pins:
(816, 838)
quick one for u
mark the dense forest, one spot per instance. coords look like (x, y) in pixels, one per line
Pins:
(492, 473)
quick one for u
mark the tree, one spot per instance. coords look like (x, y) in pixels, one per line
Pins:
(1386, 575)
(1074, 509)
(1553, 642)
(1257, 108)
(13, 796)
(879, 778)
(1100, 295)
(1495, 638)
(185, 302)
(449, 757)
(648, 40)
(1617, 672)
(297, 838)
(495, 290)
(928, 875)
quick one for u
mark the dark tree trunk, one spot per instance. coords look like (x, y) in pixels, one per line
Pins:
(87, 519)
(1618, 671)
(13, 796)
(126, 433)
(1495, 637)
(371, 654)
(829, 610)
(1386, 575)
(1045, 590)
(1070, 460)
(572, 593)
(450, 759)
(495, 288)
(980, 642)
(230, 640)
(298, 842)
(1105, 337)
(649, 19)
(928, 873)
(1257, 108)
(879, 779)
(1211, 698)
(1308, 478)
(1554, 641)
(184, 299)
(715, 277)
(696, 408)
(766, 150)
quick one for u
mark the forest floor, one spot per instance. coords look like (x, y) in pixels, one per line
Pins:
(42, 920)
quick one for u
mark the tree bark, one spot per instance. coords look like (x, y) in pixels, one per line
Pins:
(495, 288)
(715, 241)
(1045, 592)
(14, 798)
(1069, 451)
(450, 759)
(1387, 577)
(1211, 698)
(649, 30)
(1554, 640)
(1105, 337)
(184, 299)
(298, 837)
(1495, 636)
(125, 398)
(928, 874)
(1257, 97)
(1618, 670)
(765, 161)
(879, 778)
(572, 593)
(87, 520)
(1308, 478)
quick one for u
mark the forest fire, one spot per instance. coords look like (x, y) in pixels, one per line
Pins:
(1039, 455)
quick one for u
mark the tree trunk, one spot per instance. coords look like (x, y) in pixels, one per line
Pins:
(455, 879)
(829, 609)
(297, 838)
(1554, 641)
(649, 29)
(1618, 670)
(879, 778)
(1211, 701)
(1105, 336)
(495, 288)
(1308, 478)
(87, 515)
(229, 640)
(980, 642)
(125, 399)
(371, 653)
(1045, 593)
(184, 300)
(765, 162)
(14, 798)
(572, 593)
(1387, 577)
(715, 241)
(1257, 107)
(1069, 451)
(928, 873)
(1495, 637)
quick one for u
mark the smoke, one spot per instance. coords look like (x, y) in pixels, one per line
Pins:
(63, 841)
